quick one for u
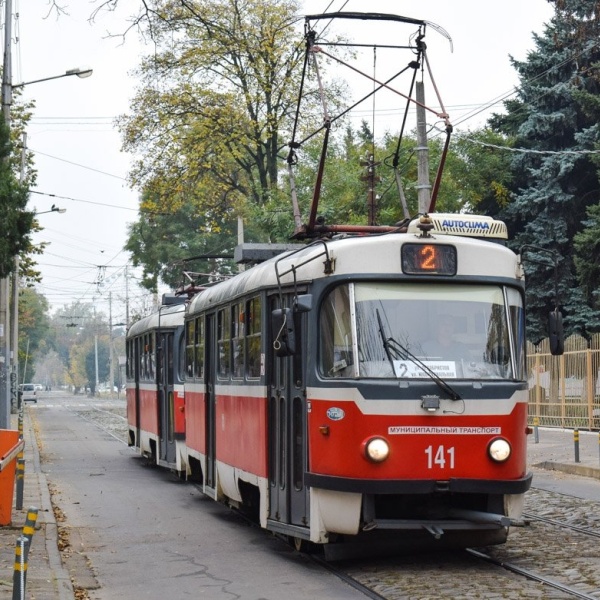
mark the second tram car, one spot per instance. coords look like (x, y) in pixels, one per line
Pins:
(155, 392)
(355, 389)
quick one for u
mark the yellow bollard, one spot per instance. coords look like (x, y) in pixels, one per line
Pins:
(22, 554)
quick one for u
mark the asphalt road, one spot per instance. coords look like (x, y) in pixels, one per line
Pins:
(147, 535)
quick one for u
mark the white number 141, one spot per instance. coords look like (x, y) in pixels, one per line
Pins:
(439, 457)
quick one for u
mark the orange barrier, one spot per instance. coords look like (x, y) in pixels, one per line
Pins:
(10, 446)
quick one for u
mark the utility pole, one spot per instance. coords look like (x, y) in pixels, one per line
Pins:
(371, 180)
(126, 295)
(423, 185)
(4, 282)
(14, 338)
(110, 344)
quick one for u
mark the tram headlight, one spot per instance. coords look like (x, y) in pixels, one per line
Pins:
(499, 450)
(377, 449)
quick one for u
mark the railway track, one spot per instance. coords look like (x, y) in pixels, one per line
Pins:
(552, 556)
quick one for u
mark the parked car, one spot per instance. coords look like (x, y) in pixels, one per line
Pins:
(38, 387)
(27, 392)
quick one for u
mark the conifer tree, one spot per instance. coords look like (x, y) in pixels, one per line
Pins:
(555, 124)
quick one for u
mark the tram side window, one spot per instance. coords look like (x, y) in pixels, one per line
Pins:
(224, 343)
(336, 336)
(150, 357)
(199, 345)
(517, 320)
(253, 338)
(128, 364)
(189, 349)
(136, 359)
(144, 358)
(238, 320)
(181, 357)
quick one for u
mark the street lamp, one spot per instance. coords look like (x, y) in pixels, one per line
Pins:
(53, 208)
(82, 73)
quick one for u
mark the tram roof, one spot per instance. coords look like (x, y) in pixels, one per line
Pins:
(361, 255)
(166, 316)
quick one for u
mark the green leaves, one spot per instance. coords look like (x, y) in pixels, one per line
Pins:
(16, 223)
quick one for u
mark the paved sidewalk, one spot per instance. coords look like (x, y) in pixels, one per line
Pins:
(46, 577)
(555, 450)
(48, 580)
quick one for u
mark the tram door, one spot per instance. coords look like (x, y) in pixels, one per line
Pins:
(210, 400)
(287, 433)
(165, 373)
(134, 365)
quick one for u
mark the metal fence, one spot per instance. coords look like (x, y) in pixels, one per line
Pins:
(564, 391)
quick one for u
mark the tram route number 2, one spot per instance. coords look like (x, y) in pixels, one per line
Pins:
(441, 457)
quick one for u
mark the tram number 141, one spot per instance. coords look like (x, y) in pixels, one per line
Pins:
(441, 457)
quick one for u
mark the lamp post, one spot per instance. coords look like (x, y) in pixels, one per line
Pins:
(7, 89)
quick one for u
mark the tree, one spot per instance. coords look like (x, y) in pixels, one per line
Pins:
(78, 327)
(34, 325)
(207, 120)
(587, 257)
(16, 223)
(49, 370)
(96, 353)
(554, 122)
(163, 243)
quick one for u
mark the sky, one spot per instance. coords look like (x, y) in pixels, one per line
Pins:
(77, 147)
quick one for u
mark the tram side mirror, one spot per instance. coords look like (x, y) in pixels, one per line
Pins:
(284, 332)
(303, 303)
(555, 333)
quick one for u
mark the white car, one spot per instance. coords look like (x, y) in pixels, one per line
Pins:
(27, 392)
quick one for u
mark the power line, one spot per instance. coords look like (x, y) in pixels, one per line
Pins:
(70, 162)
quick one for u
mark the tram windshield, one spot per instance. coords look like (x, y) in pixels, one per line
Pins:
(404, 330)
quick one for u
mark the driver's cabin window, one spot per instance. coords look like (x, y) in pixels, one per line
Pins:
(336, 334)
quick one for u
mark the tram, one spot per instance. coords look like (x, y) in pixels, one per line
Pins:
(155, 390)
(319, 396)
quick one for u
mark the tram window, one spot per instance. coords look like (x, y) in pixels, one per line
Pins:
(224, 343)
(189, 349)
(253, 337)
(181, 357)
(145, 370)
(336, 336)
(128, 362)
(151, 357)
(167, 346)
(136, 359)
(517, 320)
(298, 441)
(282, 443)
(131, 359)
(199, 343)
(238, 319)
(272, 440)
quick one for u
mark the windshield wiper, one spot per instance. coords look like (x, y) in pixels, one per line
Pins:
(395, 350)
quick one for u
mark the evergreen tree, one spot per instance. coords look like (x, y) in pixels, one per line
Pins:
(555, 123)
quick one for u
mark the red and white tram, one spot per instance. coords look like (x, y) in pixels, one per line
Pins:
(155, 392)
(322, 397)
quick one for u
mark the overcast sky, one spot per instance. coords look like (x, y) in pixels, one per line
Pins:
(77, 148)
